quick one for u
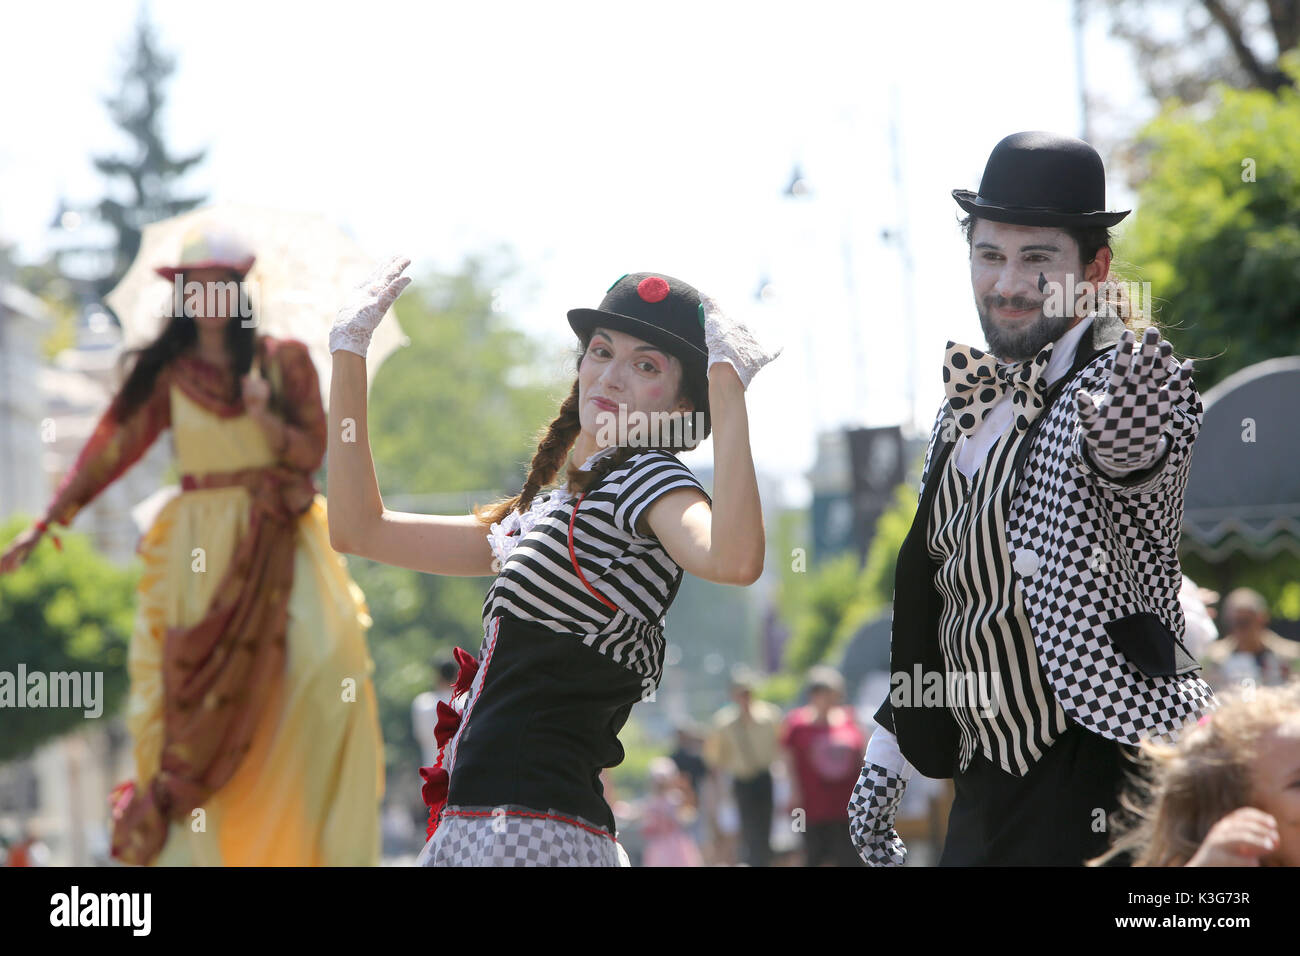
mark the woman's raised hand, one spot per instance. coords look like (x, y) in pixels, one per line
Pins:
(19, 550)
(358, 319)
(730, 341)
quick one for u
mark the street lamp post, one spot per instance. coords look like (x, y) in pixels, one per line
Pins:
(898, 237)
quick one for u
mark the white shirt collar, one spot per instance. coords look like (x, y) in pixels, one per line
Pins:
(1064, 350)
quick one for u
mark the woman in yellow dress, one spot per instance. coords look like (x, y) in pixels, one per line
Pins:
(251, 706)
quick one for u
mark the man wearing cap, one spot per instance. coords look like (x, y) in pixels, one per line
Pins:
(1036, 622)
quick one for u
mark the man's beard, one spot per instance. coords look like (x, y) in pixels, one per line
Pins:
(1028, 337)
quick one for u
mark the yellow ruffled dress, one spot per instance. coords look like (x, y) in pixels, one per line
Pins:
(308, 791)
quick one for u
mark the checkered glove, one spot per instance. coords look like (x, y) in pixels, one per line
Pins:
(1125, 431)
(357, 320)
(728, 340)
(875, 801)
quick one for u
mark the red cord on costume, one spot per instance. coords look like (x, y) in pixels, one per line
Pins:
(573, 556)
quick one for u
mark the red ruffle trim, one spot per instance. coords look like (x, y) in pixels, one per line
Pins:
(436, 780)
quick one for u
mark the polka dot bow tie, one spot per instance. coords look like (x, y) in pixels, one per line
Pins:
(975, 381)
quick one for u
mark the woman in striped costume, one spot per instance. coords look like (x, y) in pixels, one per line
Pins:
(584, 572)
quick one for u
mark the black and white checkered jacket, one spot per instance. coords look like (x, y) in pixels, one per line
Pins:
(1097, 560)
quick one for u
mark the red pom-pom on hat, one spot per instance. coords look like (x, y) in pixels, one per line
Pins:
(652, 289)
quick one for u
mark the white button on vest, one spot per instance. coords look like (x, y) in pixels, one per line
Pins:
(1025, 563)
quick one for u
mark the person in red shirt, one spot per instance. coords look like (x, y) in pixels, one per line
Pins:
(825, 747)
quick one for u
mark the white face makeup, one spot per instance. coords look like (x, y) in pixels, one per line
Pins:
(1012, 269)
(623, 374)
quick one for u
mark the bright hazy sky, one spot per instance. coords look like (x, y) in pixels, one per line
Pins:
(596, 139)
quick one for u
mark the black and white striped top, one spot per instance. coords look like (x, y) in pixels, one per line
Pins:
(536, 581)
(1003, 705)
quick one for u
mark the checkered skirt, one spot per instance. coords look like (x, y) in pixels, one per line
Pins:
(519, 836)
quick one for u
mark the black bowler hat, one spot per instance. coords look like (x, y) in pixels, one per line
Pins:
(665, 312)
(650, 305)
(1042, 179)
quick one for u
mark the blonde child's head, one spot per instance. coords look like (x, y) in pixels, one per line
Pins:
(1244, 754)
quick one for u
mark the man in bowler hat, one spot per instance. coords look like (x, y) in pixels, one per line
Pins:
(1037, 633)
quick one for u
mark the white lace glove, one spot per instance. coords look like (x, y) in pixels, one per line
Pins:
(358, 319)
(1126, 430)
(875, 800)
(728, 340)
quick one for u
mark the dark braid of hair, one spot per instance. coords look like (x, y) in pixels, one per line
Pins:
(580, 481)
(552, 447)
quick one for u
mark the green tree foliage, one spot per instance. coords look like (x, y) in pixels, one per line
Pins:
(142, 179)
(1217, 233)
(44, 280)
(831, 589)
(839, 596)
(1277, 578)
(468, 372)
(62, 611)
(1183, 47)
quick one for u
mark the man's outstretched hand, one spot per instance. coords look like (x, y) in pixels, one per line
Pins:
(1124, 430)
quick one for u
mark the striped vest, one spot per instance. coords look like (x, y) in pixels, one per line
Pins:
(996, 691)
